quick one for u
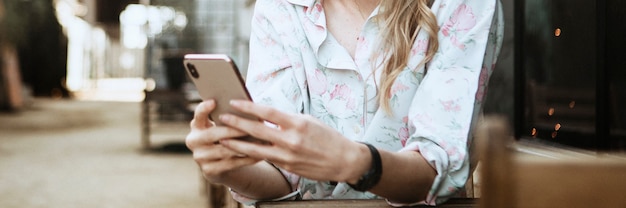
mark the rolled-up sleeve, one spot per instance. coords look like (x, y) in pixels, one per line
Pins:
(449, 98)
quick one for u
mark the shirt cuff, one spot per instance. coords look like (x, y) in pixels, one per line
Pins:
(249, 201)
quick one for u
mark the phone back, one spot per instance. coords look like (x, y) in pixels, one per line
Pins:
(216, 77)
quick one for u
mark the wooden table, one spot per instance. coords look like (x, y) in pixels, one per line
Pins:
(456, 203)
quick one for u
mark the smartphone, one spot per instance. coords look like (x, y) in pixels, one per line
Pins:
(217, 77)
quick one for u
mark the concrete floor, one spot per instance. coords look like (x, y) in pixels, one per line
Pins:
(68, 153)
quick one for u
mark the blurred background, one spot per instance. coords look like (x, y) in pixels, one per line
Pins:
(95, 105)
(80, 47)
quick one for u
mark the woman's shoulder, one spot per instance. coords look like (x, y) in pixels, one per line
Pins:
(276, 8)
(448, 4)
(277, 4)
(454, 8)
(464, 1)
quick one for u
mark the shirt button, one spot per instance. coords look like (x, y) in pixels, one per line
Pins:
(357, 129)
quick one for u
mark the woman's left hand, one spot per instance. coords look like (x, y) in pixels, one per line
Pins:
(299, 144)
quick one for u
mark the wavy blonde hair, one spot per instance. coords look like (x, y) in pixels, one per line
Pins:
(400, 21)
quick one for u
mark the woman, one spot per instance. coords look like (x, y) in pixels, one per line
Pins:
(361, 99)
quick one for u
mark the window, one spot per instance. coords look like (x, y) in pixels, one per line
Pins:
(570, 72)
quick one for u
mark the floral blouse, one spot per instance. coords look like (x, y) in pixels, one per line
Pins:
(297, 66)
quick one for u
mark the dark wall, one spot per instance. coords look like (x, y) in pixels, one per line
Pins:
(108, 11)
(41, 45)
(616, 75)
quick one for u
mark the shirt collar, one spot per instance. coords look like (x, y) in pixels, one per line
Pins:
(312, 9)
(305, 3)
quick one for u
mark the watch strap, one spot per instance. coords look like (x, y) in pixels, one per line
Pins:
(370, 178)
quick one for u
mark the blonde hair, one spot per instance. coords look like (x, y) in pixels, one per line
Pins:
(400, 21)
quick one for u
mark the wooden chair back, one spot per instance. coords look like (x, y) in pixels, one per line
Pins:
(538, 174)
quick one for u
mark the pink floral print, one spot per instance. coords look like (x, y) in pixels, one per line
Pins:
(398, 87)
(341, 92)
(317, 82)
(462, 20)
(482, 82)
(297, 66)
(420, 47)
(403, 134)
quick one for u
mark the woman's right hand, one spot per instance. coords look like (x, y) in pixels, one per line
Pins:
(214, 159)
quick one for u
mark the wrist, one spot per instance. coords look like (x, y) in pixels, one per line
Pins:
(359, 162)
(372, 176)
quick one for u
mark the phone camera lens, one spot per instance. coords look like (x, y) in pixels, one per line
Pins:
(192, 70)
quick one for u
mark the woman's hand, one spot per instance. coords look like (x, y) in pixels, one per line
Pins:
(204, 141)
(300, 144)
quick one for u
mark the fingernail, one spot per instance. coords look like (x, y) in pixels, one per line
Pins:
(235, 103)
(225, 118)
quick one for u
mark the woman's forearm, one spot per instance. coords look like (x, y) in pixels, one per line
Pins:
(406, 177)
(259, 181)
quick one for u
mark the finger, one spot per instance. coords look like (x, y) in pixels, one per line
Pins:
(222, 166)
(201, 114)
(214, 153)
(255, 129)
(211, 136)
(255, 150)
(264, 112)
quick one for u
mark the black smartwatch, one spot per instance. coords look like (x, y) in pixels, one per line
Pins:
(372, 176)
